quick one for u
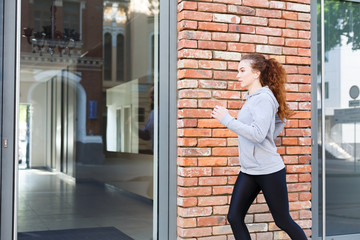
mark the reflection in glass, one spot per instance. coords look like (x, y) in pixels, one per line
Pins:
(342, 134)
(86, 126)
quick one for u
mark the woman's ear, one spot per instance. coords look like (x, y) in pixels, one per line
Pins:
(256, 73)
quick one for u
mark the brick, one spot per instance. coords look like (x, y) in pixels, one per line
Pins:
(298, 168)
(187, 182)
(186, 222)
(304, 17)
(305, 52)
(194, 132)
(187, 202)
(226, 95)
(268, 49)
(209, 123)
(305, 196)
(253, 38)
(186, 5)
(258, 208)
(265, 217)
(225, 75)
(187, 142)
(187, 63)
(297, 43)
(231, 56)
(290, 51)
(304, 34)
(268, 31)
(192, 53)
(234, 85)
(298, 25)
(264, 236)
(187, 44)
(289, 141)
(226, 18)
(241, 10)
(187, 93)
(194, 73)
(304, 70)
(257, 227)
(299, 78)
(268, 13)
(256, 3)
(211, 221)
(194, 232)
(186, 83)
(211, 142)
(298, 150)
(181, 123)
(254, 20)
(221, 230)
(223, 133)
(226, 171)
(241, 47)
(194, 15)
(228, 1)
(228, 37)
(289, 15)
(304, 214)
(193, 152)
(290, 33)
(221, 209)
(212, 7)
(219, 27)
(226, 151)
(241, 28)
(293, 206)
(210, 181)
(213, 238)
(186, 24)
(290, 68)
(291, 159)
(194, 191)
(277, 23)
(194, 35)
(217, 190)
(298, 7)
(298, 60)
(212, 161)
(277, 4)
(194, 171)
(186, 161)
(305, 123)
(234, 104)
(207, 64)
(212, 45)
(211, 103)
(212, 201)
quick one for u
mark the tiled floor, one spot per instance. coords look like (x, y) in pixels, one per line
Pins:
(49, 201)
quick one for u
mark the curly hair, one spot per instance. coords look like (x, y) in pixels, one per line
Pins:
(273, 75)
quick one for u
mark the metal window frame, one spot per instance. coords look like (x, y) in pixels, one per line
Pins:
(315, 178)
(10, 58)
(166, 209)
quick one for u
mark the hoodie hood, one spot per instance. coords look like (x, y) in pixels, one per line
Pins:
(265, 90)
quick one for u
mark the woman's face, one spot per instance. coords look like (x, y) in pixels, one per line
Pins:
(246, 75)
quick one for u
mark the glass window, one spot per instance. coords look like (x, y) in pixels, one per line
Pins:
(87, 119)
(342, 114)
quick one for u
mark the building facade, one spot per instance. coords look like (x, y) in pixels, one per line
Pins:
(106, 116)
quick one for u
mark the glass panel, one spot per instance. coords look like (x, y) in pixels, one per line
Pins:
(86, 119)
(342, 112)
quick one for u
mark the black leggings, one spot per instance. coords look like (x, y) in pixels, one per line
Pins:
(275, 192)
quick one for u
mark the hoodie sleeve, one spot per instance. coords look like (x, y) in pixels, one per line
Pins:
(262, 112)
(279, 126)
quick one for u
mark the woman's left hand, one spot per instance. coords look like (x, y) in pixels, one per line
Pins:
(219, 112)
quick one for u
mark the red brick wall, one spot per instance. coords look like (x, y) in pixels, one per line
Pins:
(212, 36)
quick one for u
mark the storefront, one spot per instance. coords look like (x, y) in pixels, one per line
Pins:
(105, 116)
(84, 154)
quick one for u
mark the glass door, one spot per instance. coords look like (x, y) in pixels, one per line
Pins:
(338, 91)
(88, 119)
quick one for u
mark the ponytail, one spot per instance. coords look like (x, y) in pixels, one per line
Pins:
(273, 75)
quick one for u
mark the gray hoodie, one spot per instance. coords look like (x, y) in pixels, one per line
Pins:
(257, 126)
